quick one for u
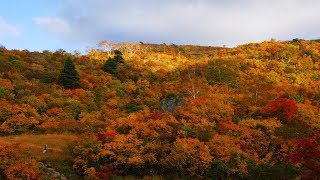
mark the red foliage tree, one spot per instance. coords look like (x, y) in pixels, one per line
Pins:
(282, 108)
(105, 172)
(307, 155)
(106, 136)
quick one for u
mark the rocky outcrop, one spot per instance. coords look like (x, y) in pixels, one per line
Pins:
(170, 103)
(52, 173)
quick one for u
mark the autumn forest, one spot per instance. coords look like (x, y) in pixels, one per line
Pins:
(162, 111)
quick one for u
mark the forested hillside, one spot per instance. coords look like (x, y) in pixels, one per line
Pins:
(169, 111)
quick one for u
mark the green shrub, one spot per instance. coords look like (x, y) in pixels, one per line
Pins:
(219, 72)
(188, 130)
(133, 107)
(268, 171)
(2, 92)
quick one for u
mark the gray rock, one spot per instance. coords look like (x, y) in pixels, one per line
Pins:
(170, 104)
(52, 173)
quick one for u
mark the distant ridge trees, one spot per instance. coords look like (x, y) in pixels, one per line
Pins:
(69, 76)
(2, 46)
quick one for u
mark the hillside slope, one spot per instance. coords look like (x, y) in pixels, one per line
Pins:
(175, 111)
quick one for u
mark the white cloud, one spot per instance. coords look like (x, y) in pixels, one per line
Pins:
(8, 30)
(205, 22)
(54, 24)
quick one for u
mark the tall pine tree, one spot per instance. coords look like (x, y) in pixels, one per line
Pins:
(69, 76)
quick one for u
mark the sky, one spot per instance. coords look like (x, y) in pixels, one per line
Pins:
(71, 25)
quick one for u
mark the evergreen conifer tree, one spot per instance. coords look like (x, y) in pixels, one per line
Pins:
(110, 66)
(69, 76)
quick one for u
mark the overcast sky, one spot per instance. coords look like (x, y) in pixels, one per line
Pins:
(76, 24)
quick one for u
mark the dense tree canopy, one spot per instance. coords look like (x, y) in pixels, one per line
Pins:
(248, 112)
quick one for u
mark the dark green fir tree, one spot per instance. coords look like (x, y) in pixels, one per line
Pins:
(110, 66)
(69, 76)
